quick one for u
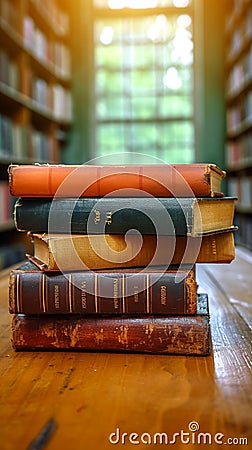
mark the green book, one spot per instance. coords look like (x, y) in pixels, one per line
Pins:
(148, 215)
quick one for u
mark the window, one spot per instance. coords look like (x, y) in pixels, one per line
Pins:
(144, 81)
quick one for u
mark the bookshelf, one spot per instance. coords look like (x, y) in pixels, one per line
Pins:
(238, 33)
(35, 90)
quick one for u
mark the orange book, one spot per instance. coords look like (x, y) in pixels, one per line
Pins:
(159, 180)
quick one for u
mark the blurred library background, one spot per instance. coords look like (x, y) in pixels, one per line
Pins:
(166, 79)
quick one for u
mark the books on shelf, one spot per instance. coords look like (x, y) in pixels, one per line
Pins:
(7, 203)
(55, 53)
(165, 334)
(238, 37)
(61, 103)
(130, 285)
(20, 142)
(244, 233)
(54, 99)
(57, 18)
(62, 59)
(242, 188)
(239, 152)
(9, 71)
(42, 146)
(13, 139)
(9, 13)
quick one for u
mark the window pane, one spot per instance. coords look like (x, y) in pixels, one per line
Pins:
(143, 56)
(176, 133)
(108, 82)
(115, 142)
(175, 106)
(177, 155)
(143, 135)
(109, 57)
(143, 108)
(144, 83)
(112, 108)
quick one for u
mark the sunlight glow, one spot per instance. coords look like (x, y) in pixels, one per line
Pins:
(184, 21)
(172, 79)
(107, 35)
(181, 3)
(182, 47)
(133, 4)
(157, 31)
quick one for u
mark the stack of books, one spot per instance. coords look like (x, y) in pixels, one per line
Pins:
(114, 255)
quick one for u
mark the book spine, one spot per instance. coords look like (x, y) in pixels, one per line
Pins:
(35, 292)
(122, 181)
(110, 215)
(164, 334)
(215, 248)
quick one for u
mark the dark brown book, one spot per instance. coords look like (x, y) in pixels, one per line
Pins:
(138, 291)
(183, 335)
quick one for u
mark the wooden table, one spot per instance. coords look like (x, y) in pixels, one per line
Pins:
(76, 400)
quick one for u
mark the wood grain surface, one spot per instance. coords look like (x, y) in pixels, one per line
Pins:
(76, 400)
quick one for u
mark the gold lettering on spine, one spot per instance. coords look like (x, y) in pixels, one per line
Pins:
(43, 293)
(56, 297)
(109, 217)
(163, 295)
(148, 293)
(97, 217)
(70, 301)
(96, 289)
(83, 295)
(123, 294)
(18, 294)
(115, 293)
(214, 246)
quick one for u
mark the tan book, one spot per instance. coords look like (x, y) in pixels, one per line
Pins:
(85, 252)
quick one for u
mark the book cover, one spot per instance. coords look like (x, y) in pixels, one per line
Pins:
(183, 335)
(159, 180)
(32, 291)
(161, 216)
(85, 252)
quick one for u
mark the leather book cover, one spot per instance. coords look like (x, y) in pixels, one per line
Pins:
(32, 291)
(175, 334)
(158, 180)
(161, 216)
(85, 252)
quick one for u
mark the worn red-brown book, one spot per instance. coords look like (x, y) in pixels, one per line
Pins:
(184, 334)
(159, 180)
(32, 291)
